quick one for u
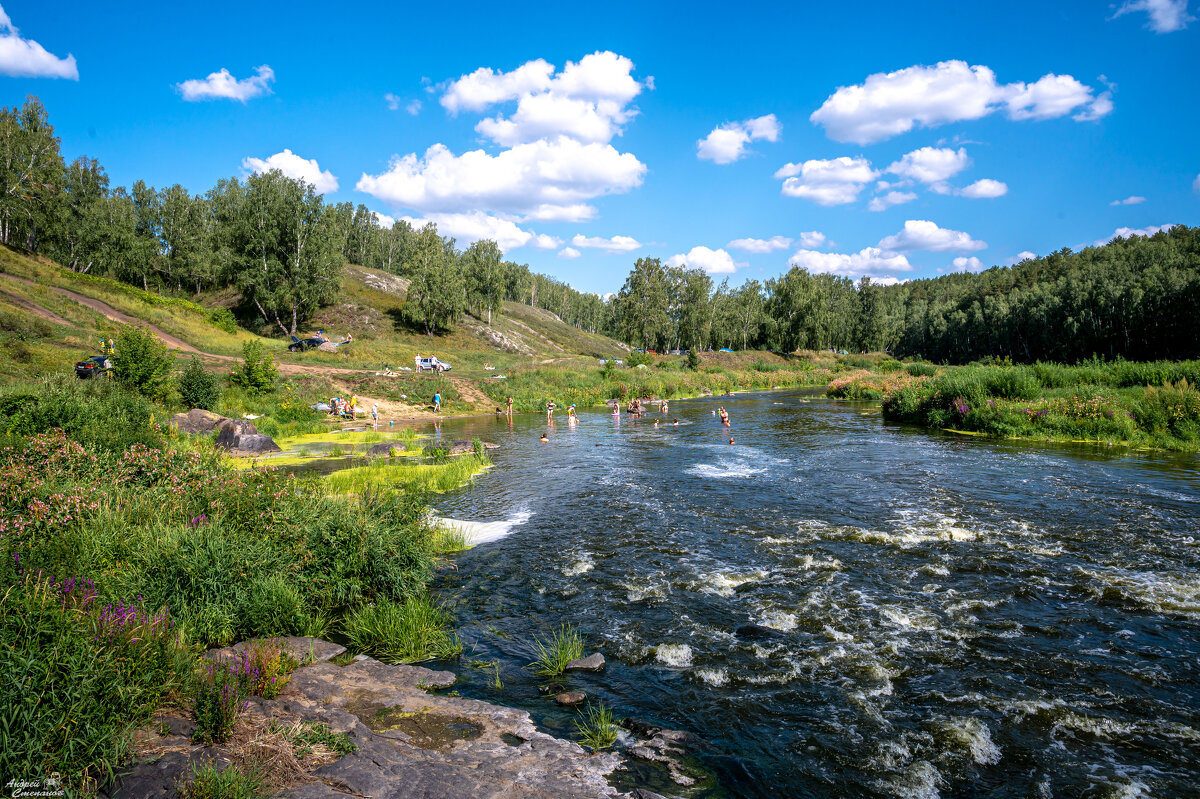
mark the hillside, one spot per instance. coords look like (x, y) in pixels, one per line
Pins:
(51, 317)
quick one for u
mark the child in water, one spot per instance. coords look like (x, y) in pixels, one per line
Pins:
(543, 439)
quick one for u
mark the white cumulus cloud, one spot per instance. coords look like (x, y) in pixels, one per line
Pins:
(25, 58)
(813, 239)
(836, 181)
(221, 85)
(1126, 232)
(468, 228)
(968, 264)
(761, 246)
(931, 164)
(413, 107)
(1023, 255)
(1163, 16)
(569, 252)
(616, 244)
(887, 104)
(727, 143)
(921, 234)
(393, 102)
(985, 189)
(867, 261)
(555, 154)
(294, 166)
(1131, 200)
(541, 178)
(384, 220)
(891, 198)
(715, 262)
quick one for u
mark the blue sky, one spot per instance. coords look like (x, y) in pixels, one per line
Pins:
(856, 138)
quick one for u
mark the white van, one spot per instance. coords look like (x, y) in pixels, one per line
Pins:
(431, 365)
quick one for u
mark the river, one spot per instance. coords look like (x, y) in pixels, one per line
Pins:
(934, 615)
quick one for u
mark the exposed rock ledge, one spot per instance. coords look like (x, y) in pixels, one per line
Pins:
(411, 744)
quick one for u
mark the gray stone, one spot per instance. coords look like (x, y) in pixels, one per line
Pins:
(242, 438)
(571, 698)
(384, 450)
(327, 346)
(197, 421)
(304, 649)
(593, 662)
(642, 793)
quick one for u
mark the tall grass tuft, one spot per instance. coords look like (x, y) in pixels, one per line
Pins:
(402, 632)
(595, 727)
(553, 655)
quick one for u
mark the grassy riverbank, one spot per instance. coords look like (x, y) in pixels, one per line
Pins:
(1154, 404)
(126, 549)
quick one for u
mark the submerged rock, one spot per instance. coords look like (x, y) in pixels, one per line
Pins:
(242, 438)
(593, 662)
(384, 450)
(753, 631)
(462, 447)
(197, 421)
(571, 698)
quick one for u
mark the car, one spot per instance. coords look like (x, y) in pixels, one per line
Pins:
(724, 349)
(97, 365)
(431, 365)
(302, 344)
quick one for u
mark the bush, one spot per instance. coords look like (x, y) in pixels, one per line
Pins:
(402, 632)
(234, 782)
(258, 370)
(77, 677)
(693, 360)
(636, 359)
(220, 697)
(272, 607)
(921, 369)
(198, 388)
(223, 319)
(143, 363)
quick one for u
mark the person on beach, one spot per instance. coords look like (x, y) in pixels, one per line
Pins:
(354, 406)
(437, 402)
(375, 415)
(510, 404)
(550, 406)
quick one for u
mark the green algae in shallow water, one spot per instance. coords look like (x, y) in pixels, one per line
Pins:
(436, 477)
(427, 730)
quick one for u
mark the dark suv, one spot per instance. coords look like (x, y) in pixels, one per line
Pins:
(93, 366)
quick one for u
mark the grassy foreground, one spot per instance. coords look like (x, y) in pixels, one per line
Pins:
(125, 550)
(1152, 404)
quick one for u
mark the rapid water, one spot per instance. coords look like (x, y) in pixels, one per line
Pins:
(936, 615)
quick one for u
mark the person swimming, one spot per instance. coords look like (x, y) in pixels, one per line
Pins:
(675, 422)
(543, 439)
(730, 440)
(656, 423)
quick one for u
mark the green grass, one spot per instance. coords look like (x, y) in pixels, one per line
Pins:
(232, 782)
(407, 631)
(435, 477)
(307, 737)
(595, 727)
(552, 655)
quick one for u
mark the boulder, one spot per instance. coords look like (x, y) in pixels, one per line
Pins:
(463, 447)
(593, 662)
(327, 346)
(384, 450)
(242, 438)
(571, 698)
(197, 421)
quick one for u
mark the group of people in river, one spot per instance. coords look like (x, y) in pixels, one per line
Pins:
(636, 408)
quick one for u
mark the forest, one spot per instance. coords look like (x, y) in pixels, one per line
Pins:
(276, 242)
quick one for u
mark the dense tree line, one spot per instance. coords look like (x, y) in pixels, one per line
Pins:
(271, 237)
(1137, 298)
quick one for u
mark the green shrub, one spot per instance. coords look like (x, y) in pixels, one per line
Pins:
(402, 632)
(219, 697)
(258, 371)
(143, 363)
(78, 677)
(553, 655)
(595, 727)
(223, 319)
(693, 360)
(272, 607)
(198, 388)
(889, 365)
(639, 359)
(921, 369)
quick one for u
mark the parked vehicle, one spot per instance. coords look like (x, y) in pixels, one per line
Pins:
(431, 365)
(724, 349)
(97, 365)
(302, 344)
(613, 361)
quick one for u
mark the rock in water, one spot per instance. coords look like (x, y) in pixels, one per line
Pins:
(753, 631)
(197, 421)
(571, 698)
(242, 438)
(593, 662)
(384, 450)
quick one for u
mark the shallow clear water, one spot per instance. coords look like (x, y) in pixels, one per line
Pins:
(937, 615)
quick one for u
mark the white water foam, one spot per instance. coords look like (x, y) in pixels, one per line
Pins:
(581, 565)
(675, 655)
(725, 583)
(717, 677)
(724, 469)
(484, 532)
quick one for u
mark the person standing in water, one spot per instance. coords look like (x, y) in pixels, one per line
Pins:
(663, 407)
(571, 416)
(550, 406)
(437, 402)
(375, 416)
(510, 404)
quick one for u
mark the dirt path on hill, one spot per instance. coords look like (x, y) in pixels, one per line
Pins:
(388, 410)
(35, 309)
